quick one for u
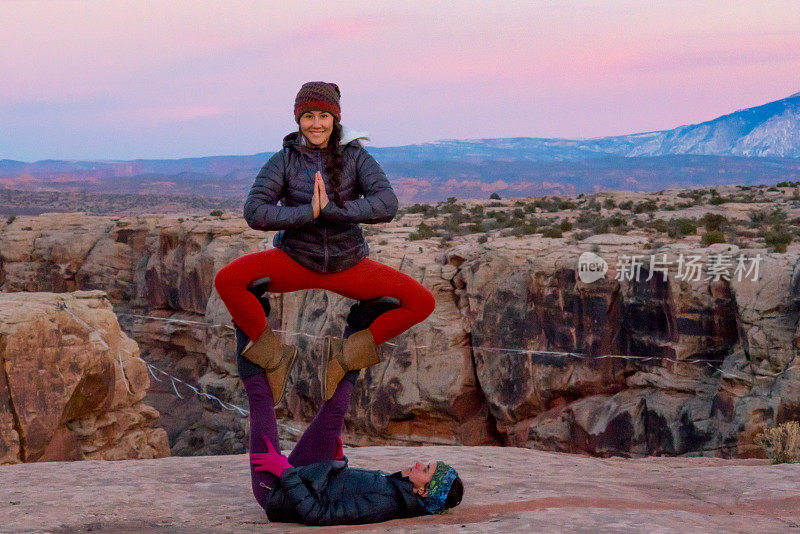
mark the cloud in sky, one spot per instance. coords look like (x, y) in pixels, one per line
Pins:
(125, 79)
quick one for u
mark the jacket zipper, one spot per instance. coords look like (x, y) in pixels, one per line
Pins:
(324, 230)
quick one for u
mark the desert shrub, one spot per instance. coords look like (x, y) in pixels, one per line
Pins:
(618, 220)
(423, 232)
(659, 225)
(476, 210)
(581, 235)
(778, 238)
(592, 205)
(526, 229)
(587, 219)
(609, 203)
(11, 219)
(425, 209)
(713, 236)
(627, 205)
(565, 226)
(646, 206)
(621, 229)
(686, 227)
(452, 222)
(216, 213)
(490, 224)
(601, 227)
(450, 206)
(781, 444)
(713, 221)
(383, 242)
(681, 227)
(758, 217)
(553, 232)
(483, 239)
(715, 200)
(519, 213)
(499, 216)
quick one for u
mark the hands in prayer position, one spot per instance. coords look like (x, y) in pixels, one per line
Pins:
(320, 198)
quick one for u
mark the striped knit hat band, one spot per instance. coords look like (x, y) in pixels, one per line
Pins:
(318, 96)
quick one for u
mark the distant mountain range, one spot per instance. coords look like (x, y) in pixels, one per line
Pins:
(753, 145)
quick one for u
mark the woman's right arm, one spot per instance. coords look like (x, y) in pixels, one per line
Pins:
(261, 210)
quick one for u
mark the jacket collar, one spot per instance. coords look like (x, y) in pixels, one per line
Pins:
(405, 488)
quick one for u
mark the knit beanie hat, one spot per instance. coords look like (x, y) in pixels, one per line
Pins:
(322, 96)
(439, 487)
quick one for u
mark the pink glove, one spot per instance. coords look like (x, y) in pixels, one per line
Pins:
(339, 454)
(270, 461)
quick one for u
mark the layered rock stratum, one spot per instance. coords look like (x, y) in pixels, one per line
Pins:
(506, 489)
(519, 350)
(71, 382)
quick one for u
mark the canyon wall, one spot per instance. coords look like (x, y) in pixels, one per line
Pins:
(71, 382)
(722, 354)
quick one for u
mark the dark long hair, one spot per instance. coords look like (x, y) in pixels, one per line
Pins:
(334, 161)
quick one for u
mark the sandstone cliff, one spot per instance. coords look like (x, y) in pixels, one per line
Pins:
(723, 353)
(63, 394)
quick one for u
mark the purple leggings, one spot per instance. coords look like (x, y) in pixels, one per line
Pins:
(318, 442)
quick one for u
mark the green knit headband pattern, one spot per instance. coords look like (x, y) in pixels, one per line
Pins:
(439, 487)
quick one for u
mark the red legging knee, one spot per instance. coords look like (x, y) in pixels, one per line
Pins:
(366, 280)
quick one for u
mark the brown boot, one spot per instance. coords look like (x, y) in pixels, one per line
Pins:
(342, 355)
(276, 359)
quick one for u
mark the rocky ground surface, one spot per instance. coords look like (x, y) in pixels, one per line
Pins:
(506, 490)
(707, 361)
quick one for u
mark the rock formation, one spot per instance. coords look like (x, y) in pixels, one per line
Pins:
(722, 353)
(71, 382)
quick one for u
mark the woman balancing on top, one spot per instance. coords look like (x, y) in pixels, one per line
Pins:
(320, 176)
(320, 245)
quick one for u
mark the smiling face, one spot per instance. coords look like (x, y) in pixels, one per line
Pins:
(317, 127)
(420, 475)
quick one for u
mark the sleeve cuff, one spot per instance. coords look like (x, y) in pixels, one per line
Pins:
(307, 213)
(328, 209)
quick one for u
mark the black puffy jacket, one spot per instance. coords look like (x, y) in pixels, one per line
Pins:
(330, 493)
(333, 241)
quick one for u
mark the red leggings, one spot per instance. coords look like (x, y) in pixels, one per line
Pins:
(366, 280)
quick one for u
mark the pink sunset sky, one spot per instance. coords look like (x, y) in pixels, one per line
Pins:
(169, 79)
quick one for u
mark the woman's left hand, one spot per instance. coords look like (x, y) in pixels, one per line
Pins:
(319, 185)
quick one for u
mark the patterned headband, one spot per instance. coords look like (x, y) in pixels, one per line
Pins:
(442, 480)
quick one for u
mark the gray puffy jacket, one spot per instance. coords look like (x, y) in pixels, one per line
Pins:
(330, 493)
(333, 241)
